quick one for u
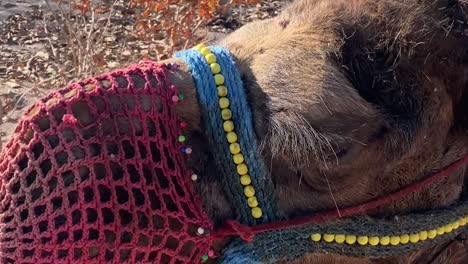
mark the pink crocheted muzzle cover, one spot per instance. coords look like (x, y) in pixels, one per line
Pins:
(95, 173)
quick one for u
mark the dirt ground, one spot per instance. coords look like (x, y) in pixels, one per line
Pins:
(36, 57)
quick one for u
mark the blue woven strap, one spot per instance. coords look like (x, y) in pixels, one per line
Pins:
(243, 122)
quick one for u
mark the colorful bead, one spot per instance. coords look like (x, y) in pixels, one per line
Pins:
(423, 235)
(363, 240)
(183, 124)
(238, 158)
(404, 238)
(395, 240)
(252, 202)
(226, 114)
(205, 51)
(188, 150)
(200, 46)
(215, 68)
(222, 91)
(249, 191)
(462, 222)
(234, 148)
(316, 237)
(373, 240)
(414, 238)
(175, 98)
(223, 102)
(257, 212)
(182, 138)
(211, 253)
(181, 97)
(228, 126)
(350, 239)
(242, 169)
(447, 228)
(440, 230)
(231, 137)
(340, 238)
(431, 234)
(245, 180)
(328, 237)
(194, 177)
(204, 257)
(210, 58)
(200, 231)
(219, 79)
(385, 240)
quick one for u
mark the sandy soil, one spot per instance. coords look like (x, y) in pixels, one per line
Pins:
(35, 56)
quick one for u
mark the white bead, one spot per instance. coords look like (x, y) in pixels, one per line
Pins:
(201, 231)
(194, 177)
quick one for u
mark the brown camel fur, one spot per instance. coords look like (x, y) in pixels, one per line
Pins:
(352, 99)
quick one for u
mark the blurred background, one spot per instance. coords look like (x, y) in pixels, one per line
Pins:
(47, 44)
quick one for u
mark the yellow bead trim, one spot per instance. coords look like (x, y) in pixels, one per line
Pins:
(394, 240)
(231, 136)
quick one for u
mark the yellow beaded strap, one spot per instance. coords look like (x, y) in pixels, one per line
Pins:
(390, 240)
(229, 128)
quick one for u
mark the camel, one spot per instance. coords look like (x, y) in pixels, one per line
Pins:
(351, 100)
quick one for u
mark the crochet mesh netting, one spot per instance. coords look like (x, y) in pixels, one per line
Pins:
(94, 174)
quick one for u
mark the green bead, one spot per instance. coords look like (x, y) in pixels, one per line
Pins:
(181, 97)
(182, 138)
(204, 257)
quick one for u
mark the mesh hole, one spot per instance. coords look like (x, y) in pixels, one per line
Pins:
(112, 148)
(138, 81)
(99, 171)
(77, 253)
(170, 205)
(158, 222)
(143, 241)
(58, 114)
(9, 219)
(37, 150)
(68, 178)
(175, 224)
(109, 236)
(68, 134)
(93, 234)
(83, 113)
(53, 141)
(77, 235)
(15, 187)
(24, 215)
(163, 182)
(129, 101)
(23, 163)
(91, 215)
(122, 82)
(117, 171)
(108, 127)
(106, 84)
(187, 211)
(45, 240)
(154, 200)
(133, 172)
(122, 194)
(62, 253)
(162, 128)
(45, 166)
(152, 256)
(76, 217)
(84, 173)
(145, 101)
(98, 103)
(115, 104)
(43, 123)
(20, 200)
(124, 126)
(60, 221)
(95, 149)
(52, 184)
(27, 229)
(89, 133)
(170, 162)
(39, 210)
(28, 252)
(125, 217)
(128, 149)
(61, 158)
(138, 196)
(108, 215)
(45, 253)
(172, 243)
(104, 193)
(26, 240)
(137, 126)
(155, 154)
(72, 197)
(150, 127)
(142, 220)
(139, 256)
(61, 237)
(88, 194)
(109, 255)
(165, 259)
(142, 150)
(126, 237)
(147, 174)
(187, 249)
(57, 203)
(36, 193)
(178, 188)
(124, 254)
(78, 153)
(93, 252)
(31, 178)
(43, 226)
